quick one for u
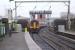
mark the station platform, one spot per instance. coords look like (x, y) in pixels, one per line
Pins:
(19, 41)
(70, 32)
(15, 42)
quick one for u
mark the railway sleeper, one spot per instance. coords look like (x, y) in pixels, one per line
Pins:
(54, 41)
(65, 40)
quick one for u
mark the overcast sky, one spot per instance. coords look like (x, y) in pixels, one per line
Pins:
(24, 8)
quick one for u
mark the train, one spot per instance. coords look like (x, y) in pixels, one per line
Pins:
(34, 26)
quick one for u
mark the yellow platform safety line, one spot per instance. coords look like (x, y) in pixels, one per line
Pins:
(26, 29)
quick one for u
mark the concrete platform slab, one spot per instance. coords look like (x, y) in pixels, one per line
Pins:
(70, 32)
(16, 42)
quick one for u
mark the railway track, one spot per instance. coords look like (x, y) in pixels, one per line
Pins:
(48, 40)
(39, 41)
(57, 42)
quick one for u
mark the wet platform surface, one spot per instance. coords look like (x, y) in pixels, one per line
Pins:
(16, 42)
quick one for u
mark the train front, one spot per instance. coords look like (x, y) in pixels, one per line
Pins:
(34, 26)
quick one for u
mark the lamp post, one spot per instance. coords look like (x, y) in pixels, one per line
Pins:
(69, 22)
(10, 18)
(68, 16)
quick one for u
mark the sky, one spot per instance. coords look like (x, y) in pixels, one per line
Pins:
(24, 8)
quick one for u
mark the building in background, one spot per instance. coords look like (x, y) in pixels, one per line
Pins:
(72, 19)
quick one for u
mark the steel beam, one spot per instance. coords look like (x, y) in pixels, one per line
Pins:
(38, 1)
(68, 1)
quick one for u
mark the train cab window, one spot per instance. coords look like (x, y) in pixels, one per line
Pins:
(34, 21)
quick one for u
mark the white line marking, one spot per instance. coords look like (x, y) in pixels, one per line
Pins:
(30, 42)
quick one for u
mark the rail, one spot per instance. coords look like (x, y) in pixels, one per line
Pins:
(58, 42)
